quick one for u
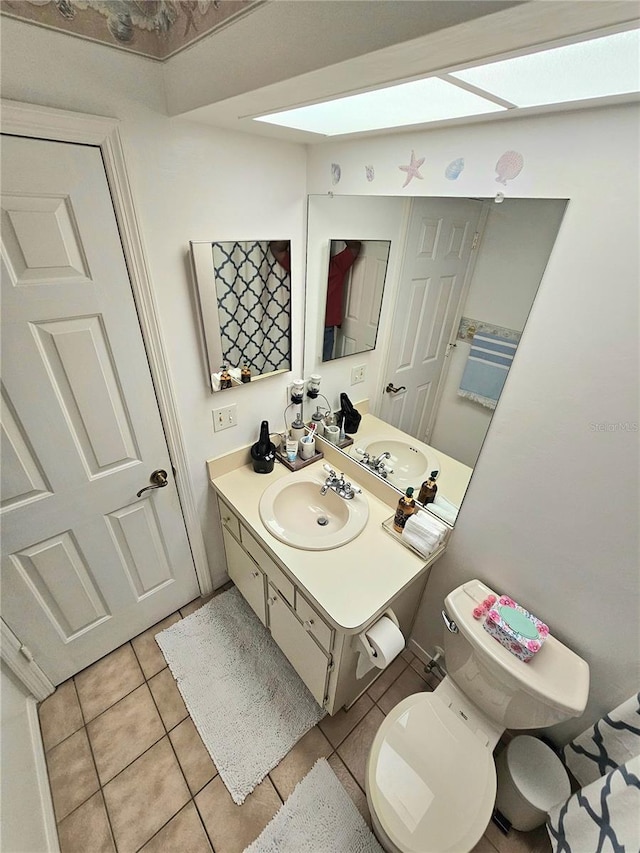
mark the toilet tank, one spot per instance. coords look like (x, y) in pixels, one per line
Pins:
(552, 687)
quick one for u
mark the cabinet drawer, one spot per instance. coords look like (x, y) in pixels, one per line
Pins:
(304, 654)
(313, 623)
(273, 572)
(229, 519)
(246, 575)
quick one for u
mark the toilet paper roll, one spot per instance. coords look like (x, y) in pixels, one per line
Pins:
(379, 646)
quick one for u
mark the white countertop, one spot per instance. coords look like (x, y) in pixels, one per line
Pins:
(352, 584)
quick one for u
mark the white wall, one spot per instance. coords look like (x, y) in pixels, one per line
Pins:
(25, 800)
(190, 182)
(516, 243)
(551, 513)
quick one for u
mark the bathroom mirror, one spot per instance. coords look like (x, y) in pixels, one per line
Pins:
(461, 279)
(356, 271)
(244, 292)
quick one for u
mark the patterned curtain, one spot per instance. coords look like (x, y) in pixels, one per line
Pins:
(254, 306)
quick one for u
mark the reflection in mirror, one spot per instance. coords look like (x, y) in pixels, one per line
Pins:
(455, 305)
(244, 289)
(355, 285)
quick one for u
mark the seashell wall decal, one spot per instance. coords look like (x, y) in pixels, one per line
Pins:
(336, 173)
(370, 173)
(509, 166)
(454, 169)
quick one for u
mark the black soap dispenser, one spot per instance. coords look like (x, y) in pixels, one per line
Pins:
(263, 452)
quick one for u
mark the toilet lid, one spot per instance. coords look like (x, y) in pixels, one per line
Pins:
(431, 781)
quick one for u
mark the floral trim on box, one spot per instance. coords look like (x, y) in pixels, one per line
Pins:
(523, 647)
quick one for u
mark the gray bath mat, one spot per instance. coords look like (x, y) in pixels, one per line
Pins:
(319, 817)
(246, 700)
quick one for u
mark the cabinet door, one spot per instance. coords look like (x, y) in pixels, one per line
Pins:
(246, 575)
(306, 657)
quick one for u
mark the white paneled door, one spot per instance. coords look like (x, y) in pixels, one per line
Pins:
(440, 239)
(86, 563)
(362, 299)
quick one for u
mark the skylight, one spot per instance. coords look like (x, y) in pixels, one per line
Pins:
(396, 106)
(600, 67)
(590, 69)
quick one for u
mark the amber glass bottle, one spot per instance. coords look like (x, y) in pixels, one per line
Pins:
(406, 508)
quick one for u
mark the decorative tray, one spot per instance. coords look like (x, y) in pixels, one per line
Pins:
(298, 463)
(387, 525)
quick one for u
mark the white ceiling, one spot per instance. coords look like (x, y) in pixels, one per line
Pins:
(292, 52)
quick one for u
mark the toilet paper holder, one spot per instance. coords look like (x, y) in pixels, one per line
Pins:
(367, 655)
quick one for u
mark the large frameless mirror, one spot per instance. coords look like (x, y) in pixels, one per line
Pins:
(462, 277)
(355, 287)
(244, 291)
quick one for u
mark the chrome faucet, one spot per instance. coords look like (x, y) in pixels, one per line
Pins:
(376, 465)
(339, 485)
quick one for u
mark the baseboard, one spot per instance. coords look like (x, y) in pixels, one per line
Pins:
(44, 791)
(419, 652)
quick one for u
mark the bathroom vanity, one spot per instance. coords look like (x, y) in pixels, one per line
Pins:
(315, 603)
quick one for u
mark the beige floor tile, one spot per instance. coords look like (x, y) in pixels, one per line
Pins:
(336, 728)
(407, 655)
(103, 683)
(351, 786)
(193, 756)
(355, 749)
(124, 731)
(393, 671)
(168, 699)
(536, 841)
(145, 796)
(409, 682)
(194, 605)
(299, 761)
(148, 651)
(87, 828)
(60, 714)
(232, 828)
(72, 773)
(184, 833)
(484, 846)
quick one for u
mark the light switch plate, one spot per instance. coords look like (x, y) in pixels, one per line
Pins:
(224, 418)
(358, 373)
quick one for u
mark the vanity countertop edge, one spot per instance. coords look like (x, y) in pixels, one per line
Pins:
(351, 585)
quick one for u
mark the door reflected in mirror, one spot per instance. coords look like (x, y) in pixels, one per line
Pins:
(355, 287)
(244, 290)
(455, 305)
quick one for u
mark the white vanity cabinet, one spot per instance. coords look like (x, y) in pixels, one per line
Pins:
(302, 634)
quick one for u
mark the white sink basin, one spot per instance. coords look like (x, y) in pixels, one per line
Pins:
(293, 510)
(411, 465)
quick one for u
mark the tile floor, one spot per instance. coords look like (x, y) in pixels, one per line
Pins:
(129, 772)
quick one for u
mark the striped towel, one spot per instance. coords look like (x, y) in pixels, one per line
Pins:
(487, 366)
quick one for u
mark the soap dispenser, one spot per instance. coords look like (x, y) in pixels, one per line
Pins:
(263, 452)
(428, 489)
(406, 508)
(297, 430)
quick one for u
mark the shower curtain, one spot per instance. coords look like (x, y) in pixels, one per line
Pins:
(254, 306)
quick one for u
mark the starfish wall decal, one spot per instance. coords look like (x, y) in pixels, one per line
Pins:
(412, 169)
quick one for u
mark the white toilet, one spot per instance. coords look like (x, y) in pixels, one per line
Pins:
(431, 777)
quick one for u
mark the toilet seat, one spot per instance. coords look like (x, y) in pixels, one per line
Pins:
(431, 782)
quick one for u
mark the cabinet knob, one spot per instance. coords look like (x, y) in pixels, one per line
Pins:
(307, 625)
(255, 574)
(226, 520)
(272, 599)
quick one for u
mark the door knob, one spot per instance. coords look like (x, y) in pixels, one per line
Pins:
(158, 479)
(391, 390)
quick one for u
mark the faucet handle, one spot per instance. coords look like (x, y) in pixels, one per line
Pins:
(329, 469)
